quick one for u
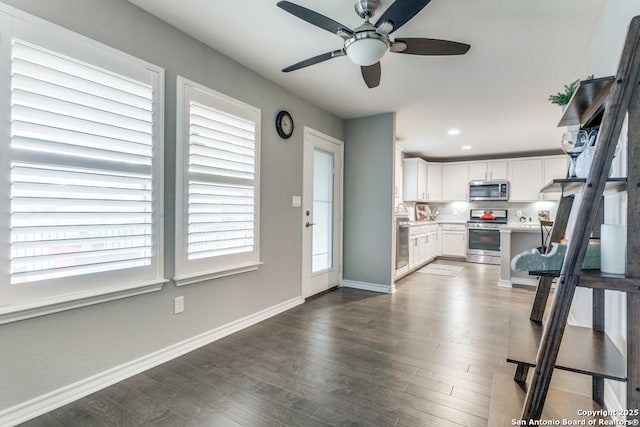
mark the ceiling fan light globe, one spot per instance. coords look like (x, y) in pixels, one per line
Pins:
(366, 51)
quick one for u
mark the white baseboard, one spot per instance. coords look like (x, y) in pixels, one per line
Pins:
(525, 281)
(373, 287)
(57, 398)
(504, 283)
(612, 403)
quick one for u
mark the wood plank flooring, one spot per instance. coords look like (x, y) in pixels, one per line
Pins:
(423, 356)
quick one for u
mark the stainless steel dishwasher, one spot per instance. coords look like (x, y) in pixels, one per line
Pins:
(402, 242)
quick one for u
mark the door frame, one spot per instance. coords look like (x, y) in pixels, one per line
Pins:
(307, 131)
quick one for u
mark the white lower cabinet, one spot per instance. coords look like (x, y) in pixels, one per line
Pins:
(424, 244)
(413, 252)
(434, 248)
(416, 252)
(454, 240)
(429, 241)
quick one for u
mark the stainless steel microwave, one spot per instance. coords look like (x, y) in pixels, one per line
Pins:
(488, 190)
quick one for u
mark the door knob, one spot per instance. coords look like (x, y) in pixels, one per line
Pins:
(309, 224)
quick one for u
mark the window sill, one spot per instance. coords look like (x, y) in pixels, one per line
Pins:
(190, 279)
(16, 312)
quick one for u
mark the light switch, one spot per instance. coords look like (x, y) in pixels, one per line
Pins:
(178, 305)
(296, 201)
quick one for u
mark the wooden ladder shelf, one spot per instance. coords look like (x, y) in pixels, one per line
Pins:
(588, 350)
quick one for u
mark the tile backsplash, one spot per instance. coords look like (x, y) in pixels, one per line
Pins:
(459, 211)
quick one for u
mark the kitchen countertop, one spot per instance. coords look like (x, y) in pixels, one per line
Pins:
(416, 223)
(438, 221)
(527, 227)
(512, 226)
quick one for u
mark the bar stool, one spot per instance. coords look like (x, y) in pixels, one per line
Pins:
(545, 235)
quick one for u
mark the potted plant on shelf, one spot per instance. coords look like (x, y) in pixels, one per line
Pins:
(562, 98)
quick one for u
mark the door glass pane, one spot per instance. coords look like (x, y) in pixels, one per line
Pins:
(322, 211)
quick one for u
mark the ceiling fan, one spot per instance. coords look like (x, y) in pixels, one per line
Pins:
(368, 43)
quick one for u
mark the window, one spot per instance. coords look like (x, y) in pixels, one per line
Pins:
(217, 185)
(84, 179)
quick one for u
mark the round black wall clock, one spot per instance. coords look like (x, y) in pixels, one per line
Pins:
(284, 124)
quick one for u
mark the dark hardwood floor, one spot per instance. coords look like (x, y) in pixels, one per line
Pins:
(424, 356)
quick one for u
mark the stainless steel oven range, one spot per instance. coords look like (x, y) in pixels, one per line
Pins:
(483, 232)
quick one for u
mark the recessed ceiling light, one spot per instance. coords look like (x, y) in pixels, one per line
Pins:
(466, 147)
(453, 131)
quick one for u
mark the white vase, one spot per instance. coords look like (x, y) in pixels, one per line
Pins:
(613, 241)
(583, 162)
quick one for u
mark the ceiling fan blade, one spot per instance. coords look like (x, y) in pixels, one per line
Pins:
(316, 19)
(420, 46)
(400, 12)
(314, 60)
(371, 74)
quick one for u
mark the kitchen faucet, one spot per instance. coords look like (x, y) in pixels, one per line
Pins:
(404, 206)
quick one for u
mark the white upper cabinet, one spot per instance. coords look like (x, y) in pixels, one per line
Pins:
(525, 179)
(554, 168)
(493, 170)
(449, 182)
(422, 181)
(415, 180)
(455, 182)
(478, 171)
(434, 182)
(497, 170)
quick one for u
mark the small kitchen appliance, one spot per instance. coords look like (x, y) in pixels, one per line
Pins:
(488, 190)
(483, 232)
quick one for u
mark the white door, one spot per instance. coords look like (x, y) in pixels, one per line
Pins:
(321, 213)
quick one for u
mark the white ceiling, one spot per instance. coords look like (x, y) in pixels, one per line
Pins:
(521, 52)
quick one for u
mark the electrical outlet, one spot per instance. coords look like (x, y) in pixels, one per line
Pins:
(178, 305)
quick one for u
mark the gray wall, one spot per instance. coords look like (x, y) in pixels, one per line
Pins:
(368, 199)
(43, 354)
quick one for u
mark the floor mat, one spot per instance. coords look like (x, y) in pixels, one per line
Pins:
(441, 269)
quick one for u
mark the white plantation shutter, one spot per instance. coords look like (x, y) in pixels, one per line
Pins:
(221, 216)
(221, 219)
(218, 207)
(82, 183)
